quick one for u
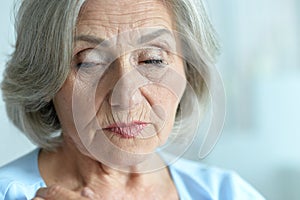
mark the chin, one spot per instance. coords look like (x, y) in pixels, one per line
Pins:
(122, 161)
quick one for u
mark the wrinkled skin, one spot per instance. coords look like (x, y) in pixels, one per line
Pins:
(75, 171)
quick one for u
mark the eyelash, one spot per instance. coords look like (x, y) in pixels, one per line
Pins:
(158, 62)
(85, 64)
(153, 62)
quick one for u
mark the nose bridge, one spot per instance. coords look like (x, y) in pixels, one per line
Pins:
(125, 93)
(124, 65)
(124, 85)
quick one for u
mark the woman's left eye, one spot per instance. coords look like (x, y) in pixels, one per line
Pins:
(153, 61)
(152, 57)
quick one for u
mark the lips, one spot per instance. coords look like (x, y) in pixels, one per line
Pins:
(128, 131)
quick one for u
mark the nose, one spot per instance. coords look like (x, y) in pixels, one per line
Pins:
(125, 93)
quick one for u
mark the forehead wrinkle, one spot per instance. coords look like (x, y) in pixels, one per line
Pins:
(128, 18)
(107, 20)
(107, 23)
(120, 6)
(118, 13)
(107, 29)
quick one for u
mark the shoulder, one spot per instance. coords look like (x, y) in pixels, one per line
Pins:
(20, 178)
(196, 179)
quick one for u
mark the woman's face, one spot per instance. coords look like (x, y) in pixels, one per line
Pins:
(121, 96)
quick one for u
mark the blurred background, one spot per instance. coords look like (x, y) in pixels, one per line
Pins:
(260, 66)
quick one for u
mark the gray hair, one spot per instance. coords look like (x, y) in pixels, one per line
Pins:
(37, 68)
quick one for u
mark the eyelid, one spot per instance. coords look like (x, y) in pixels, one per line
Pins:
(85, 64)
(161, 44)
(89, 58)
(157, 62)
(80, 49)
(93, 55)
(151, 53)
(145, 58)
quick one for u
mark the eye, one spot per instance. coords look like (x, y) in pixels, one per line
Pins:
(85, 64)
(90, 58)
(153, 61)
(152, 57)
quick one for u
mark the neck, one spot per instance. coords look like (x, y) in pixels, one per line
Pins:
(74, 170)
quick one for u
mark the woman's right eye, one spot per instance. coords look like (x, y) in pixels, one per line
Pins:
(85, 64)
(90, 58)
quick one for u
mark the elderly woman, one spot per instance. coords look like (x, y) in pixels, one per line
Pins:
(102, 88)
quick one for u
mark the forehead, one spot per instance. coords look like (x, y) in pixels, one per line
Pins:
(106, 18)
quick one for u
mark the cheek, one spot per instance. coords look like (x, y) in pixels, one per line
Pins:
(63, 105)
(168, 103)
(164, 100)
(67, 115)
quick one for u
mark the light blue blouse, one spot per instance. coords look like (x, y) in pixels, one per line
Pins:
(20, 179)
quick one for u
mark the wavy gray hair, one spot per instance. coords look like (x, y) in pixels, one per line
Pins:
(39, 64)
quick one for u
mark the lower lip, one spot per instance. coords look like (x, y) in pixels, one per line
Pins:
(127, 131)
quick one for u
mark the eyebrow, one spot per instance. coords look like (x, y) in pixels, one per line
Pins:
(143, 39)
(90, 39)
(155, 34)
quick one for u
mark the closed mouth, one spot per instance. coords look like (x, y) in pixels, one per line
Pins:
(124, 130)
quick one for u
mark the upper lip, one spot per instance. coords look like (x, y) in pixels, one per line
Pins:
(123, 125)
